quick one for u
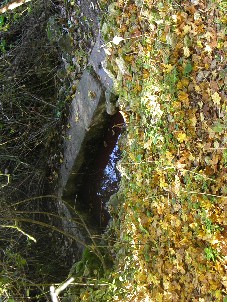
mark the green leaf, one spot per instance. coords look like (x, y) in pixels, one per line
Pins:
(218, 127)
(139, 157)
(188, 68)
(210, 254)
(2, 21)
(225, 156)
(3, 45)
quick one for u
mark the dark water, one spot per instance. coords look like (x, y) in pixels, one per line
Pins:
(102, 177)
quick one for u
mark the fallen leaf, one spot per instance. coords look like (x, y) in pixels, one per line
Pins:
(216, 98)
(116, 40)
(186, 51)
(181, 137)
(168, 68)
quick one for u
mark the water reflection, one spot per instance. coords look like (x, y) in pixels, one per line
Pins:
(111, 174)
(110, 180)
(102, 179)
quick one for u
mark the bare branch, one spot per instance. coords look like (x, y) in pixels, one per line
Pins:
(13, 5)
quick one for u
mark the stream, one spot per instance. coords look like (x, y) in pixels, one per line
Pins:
(102, 177)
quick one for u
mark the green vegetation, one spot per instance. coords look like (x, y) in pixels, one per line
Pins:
(28, 131)
(170, 231)
(167, 237)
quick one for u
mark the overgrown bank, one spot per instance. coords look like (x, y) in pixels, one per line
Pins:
(44, 47)
(170, 222)
(28, 117)
(167, 236)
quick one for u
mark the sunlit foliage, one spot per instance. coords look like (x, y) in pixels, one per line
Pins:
(169, 61)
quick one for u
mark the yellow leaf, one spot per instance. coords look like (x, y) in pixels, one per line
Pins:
(199, 43)
(183, 83)
(202, 277)
(168, 68)
(182, 270)
(187, 29)
(224, 281)
(163, 38)
(137, 88)
(181, 137)
(169, 157)
(218, 294)
(159, 297)
(209, 36)
(129, 58)
(183, 97)
(216, 145)
(177, 185)
(213, 285)
(177, 106)
(166, 284)
(148, 144)
(152, 279)
(191, 157)
(146, 74)
(202, 116)
(216, 98)
(186, 51)
(197, 88)
(193, 121)
(163, 183)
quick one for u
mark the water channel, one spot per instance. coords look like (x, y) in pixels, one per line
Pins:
(101, 177)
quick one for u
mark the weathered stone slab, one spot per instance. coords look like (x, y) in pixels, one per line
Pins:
(87, 114)
(98, 61)
(94, 98)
